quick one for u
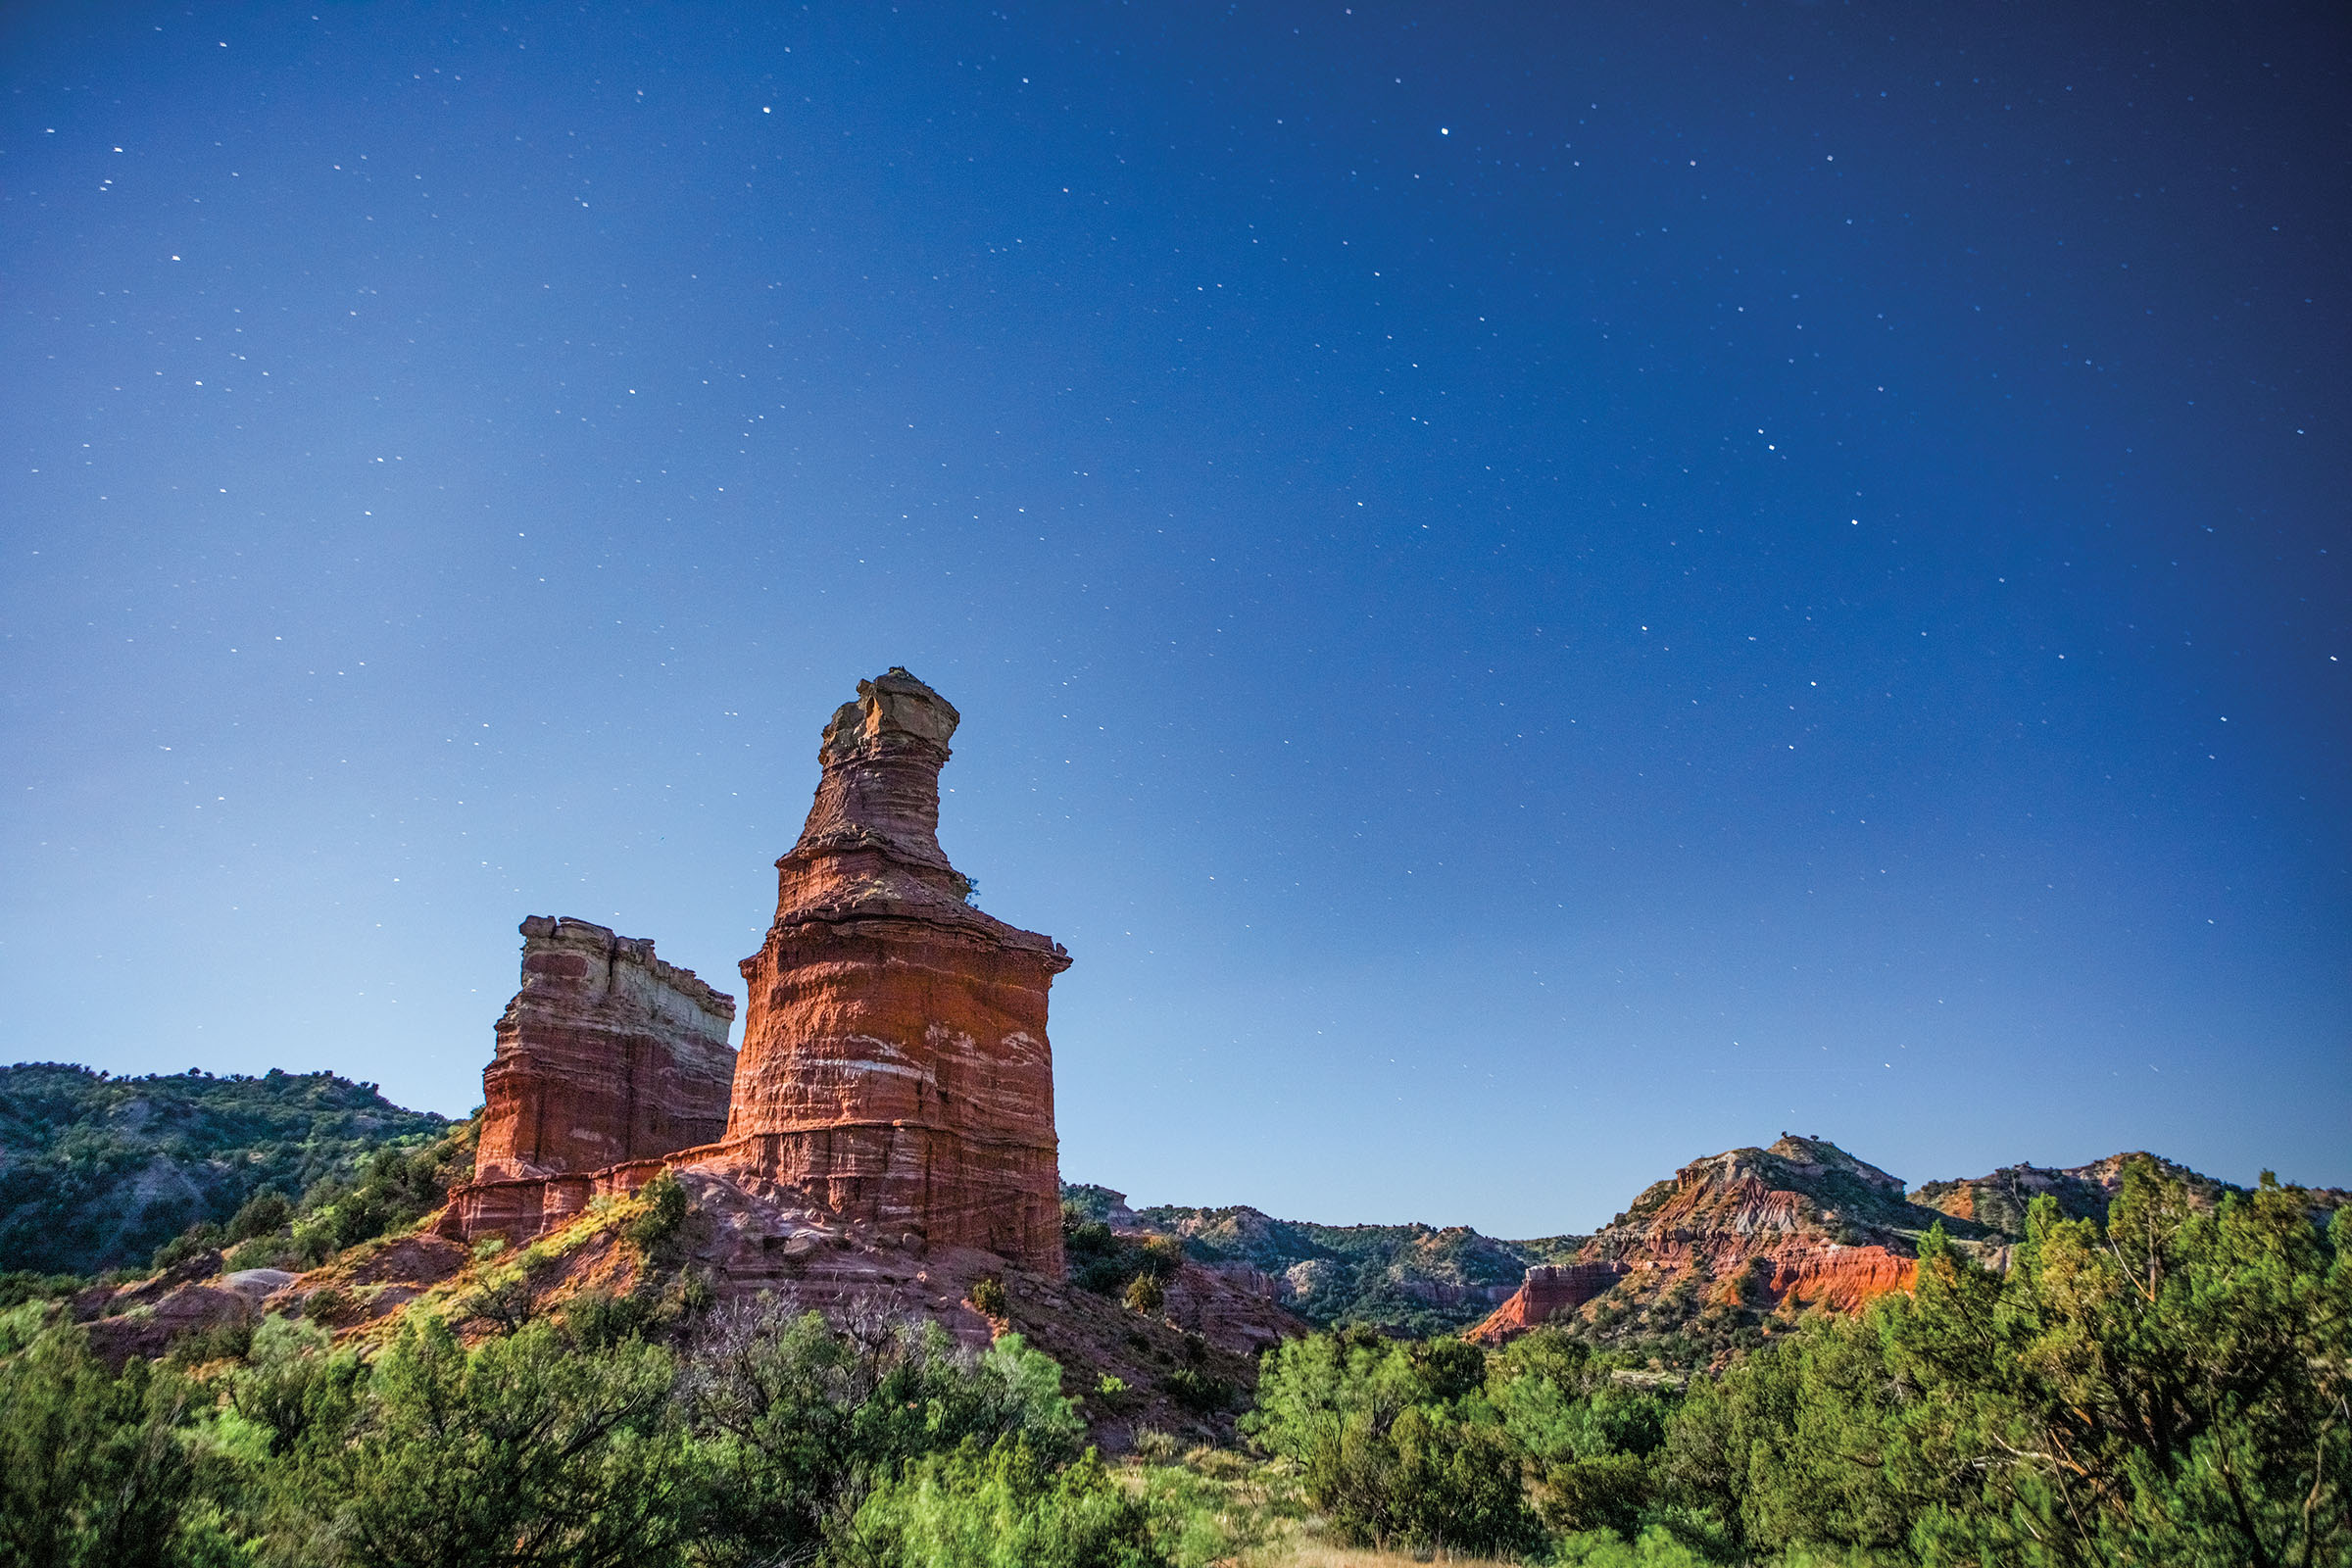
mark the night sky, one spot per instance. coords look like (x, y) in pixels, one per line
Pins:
(1536, 592)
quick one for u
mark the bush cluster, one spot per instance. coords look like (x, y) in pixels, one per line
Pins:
(2169, 1385)
(770, 1437)
(1108, 1263)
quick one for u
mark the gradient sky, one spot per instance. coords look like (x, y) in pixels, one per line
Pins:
(1537, 592)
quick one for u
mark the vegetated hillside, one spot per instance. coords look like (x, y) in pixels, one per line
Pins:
(1738, 1247)
(2082, 1191)
(97, 1172)
(1718, 1257)
(1413, 1280)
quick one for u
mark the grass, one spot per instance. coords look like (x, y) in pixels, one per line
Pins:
(1315, 1554)
(1250, 1513)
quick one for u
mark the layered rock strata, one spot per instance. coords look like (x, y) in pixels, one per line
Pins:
(895, 1064)
(606, 1059)
(1800, 1224)
(1549, 1290)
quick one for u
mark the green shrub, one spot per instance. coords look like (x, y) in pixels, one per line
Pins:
(95, 1471)
(1143, 1294)
(295, 1387)
(193, 1241)
(664, 1215)
(1002, 1507)
(1656, 1547)
(329, 1305)
(595, 1319)
(1150, 1442)
(1198, 1391)
(507, 1298)
(518, 1452)
(19, 1285)
(265, 1212)
(797, 1420)
(1107, 1263)
(988, 1295)
(1160, 1256)
(1396, 1443)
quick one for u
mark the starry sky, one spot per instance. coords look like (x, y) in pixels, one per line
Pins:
(1536, 591)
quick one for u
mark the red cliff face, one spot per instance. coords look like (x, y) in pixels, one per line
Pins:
(1549, 1290)
(895, 1064)
(606, 1055)
(1799, 1224)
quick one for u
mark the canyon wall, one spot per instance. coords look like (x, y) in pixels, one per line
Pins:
(1548, 1289)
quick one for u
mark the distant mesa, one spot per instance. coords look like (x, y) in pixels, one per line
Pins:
(895, 1071)
(1804, 1224)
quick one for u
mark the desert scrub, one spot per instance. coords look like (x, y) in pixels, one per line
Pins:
(1198, 1391)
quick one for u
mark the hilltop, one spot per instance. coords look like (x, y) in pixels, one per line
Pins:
(97, 1172)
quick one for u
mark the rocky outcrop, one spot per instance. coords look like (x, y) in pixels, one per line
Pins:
(1842, 1279)
(1548, 1290)
(1800, 1224)
(151, 1330)
(605, 1054)
(607, 1057)
(895, 1064)
(895, 1071)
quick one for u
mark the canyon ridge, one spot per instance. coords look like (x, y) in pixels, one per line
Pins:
(884, 1141)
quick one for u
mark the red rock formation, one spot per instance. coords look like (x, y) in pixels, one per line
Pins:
(1842, 1278)
(606, 1055)
(1551, 1288)
(895, 1073)
(895, 1065)
(1799, 1224)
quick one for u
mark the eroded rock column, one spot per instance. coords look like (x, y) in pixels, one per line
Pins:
(895, 1064)
(606, 1055)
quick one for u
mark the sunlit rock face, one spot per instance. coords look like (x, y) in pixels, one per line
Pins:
(1799, 1224)
(1549, 1291)
(605, 1054)
(895, 1064)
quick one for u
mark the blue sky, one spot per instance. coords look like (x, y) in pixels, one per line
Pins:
(1536, 592)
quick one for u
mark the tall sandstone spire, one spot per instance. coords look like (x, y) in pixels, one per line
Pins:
(895, 1062)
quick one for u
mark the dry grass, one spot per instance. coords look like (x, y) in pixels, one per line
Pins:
(1315, 1554)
